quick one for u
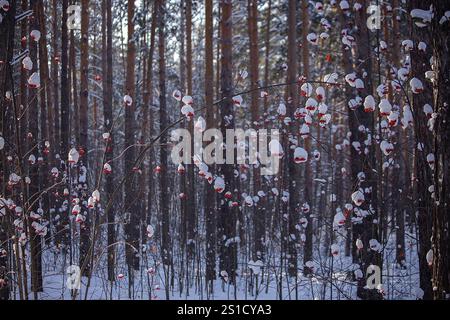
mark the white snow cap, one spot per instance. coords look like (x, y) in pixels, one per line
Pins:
(325, 119)
(249, 201)
(430, 159)
(358, 197)
(331, 78)
(386, 147)
(300, 155)
(421, 17)
(359, 84)
(374, 245)
(304, 130)
(187, 111)
(237, 100)
(429, 257)
(393, 118)
(407, 45)
(385, 107)
(306, 89)
(150, 231)
(200, 125)
(96, 195)
(219, 184)
(427, 109)
(324, 35)
(76, 209)
(316, 155)
(107, 168)
(27, 63)
(106, 135)
(276, 149)
(369, 104)
(281, 109)
(187, 100)
(34, 81)
(359, 244)
(422, 46)
(382, 89)
(311, 105)
(351, 78)
(320, 93)
(4, 4)
(35, 35)
(312, 38)
(344, 5)
(73, 155)
(177, 95)
(319, 7)
(339, 218)
(128, 100)
(416, 85)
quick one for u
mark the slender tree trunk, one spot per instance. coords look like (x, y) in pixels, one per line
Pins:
(210, 197)
(151, 118)
(75, 123)
(441, 98)
(258, 209)
(56, 56)
(132, 229)
(360, 162)
(83, 138)
(107, 82)
(267, 50)
(424, 202)
(6, 54)
(65, 120)
(228, 214)
(191, 216)
(307, 253)
(163, 176)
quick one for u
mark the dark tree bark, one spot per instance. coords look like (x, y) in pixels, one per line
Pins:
(33, 170)
(441, 148)
(6, 54)
(400, 177)
(166, 253)
(132, 229)
(56, 55)
(307, 251)
(210, 197)
(228, 214)
(191, 217)
(62, 229)
(107, 82)
(258, 210)
(85, 257)
(267, 49)
(365, 230)
(423, 174)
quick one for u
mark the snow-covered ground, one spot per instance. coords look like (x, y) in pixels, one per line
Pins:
(331, 280)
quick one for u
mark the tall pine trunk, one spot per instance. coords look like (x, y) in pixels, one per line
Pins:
(441, 148)
(228, 214)
(166, 247)
(210, 197)
(132, 230)
(85, 255)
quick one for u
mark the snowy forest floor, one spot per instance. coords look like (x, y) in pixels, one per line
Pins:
(332, 280)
